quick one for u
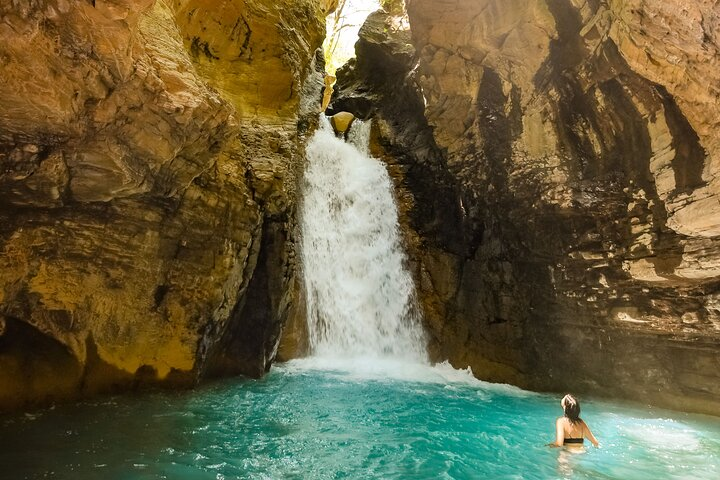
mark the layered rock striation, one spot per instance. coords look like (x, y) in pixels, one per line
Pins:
(576, 149)
(556, 164)
(149, 152)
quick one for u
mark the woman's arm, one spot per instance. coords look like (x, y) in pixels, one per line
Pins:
(559, 434)
(590, 436)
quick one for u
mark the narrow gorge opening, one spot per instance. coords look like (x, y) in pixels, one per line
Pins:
(342, 27)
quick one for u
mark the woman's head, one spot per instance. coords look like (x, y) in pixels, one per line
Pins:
(571, 407)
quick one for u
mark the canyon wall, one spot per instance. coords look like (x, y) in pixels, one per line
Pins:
(149, 151)
(556, 161)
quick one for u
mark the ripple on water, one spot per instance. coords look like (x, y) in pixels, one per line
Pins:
(314, 420)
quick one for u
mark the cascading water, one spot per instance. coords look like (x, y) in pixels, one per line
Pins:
(360, 296)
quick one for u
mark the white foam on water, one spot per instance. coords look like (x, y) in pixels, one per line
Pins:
(363, 369)
(662, 434)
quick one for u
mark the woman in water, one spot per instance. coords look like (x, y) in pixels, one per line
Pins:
(570, 428)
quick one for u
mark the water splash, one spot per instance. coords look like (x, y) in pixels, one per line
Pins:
(360, 296)
(359, 136)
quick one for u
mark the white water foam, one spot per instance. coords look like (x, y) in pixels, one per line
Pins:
(359, 136)
(360, 296)
(363, 369)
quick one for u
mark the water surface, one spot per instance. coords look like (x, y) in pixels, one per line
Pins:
(362, 420)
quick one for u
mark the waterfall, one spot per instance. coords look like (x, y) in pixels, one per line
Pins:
(360, 296)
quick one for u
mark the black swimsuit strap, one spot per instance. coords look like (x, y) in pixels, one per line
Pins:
(582, 433)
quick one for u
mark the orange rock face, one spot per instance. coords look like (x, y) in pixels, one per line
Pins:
(148, 153)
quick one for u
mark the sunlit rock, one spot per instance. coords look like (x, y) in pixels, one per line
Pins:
(149, 152)
(341, 122)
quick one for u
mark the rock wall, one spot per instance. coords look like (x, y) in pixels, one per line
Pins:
(148, 154)
(576, 147)
(555, 161)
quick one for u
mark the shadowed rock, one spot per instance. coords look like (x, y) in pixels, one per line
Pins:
(573, 166)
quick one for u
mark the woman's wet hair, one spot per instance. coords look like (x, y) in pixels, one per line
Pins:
(571, 408)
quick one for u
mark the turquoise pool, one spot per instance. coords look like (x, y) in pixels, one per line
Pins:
(315, 419)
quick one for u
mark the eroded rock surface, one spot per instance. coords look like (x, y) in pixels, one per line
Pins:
(578, 149)
(149, 151)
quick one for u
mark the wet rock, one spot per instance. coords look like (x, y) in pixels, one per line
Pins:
(580, 152)
(579, 250)
(341, 122)
(149, 153)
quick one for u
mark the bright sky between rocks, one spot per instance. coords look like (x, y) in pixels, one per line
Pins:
(342, 31)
